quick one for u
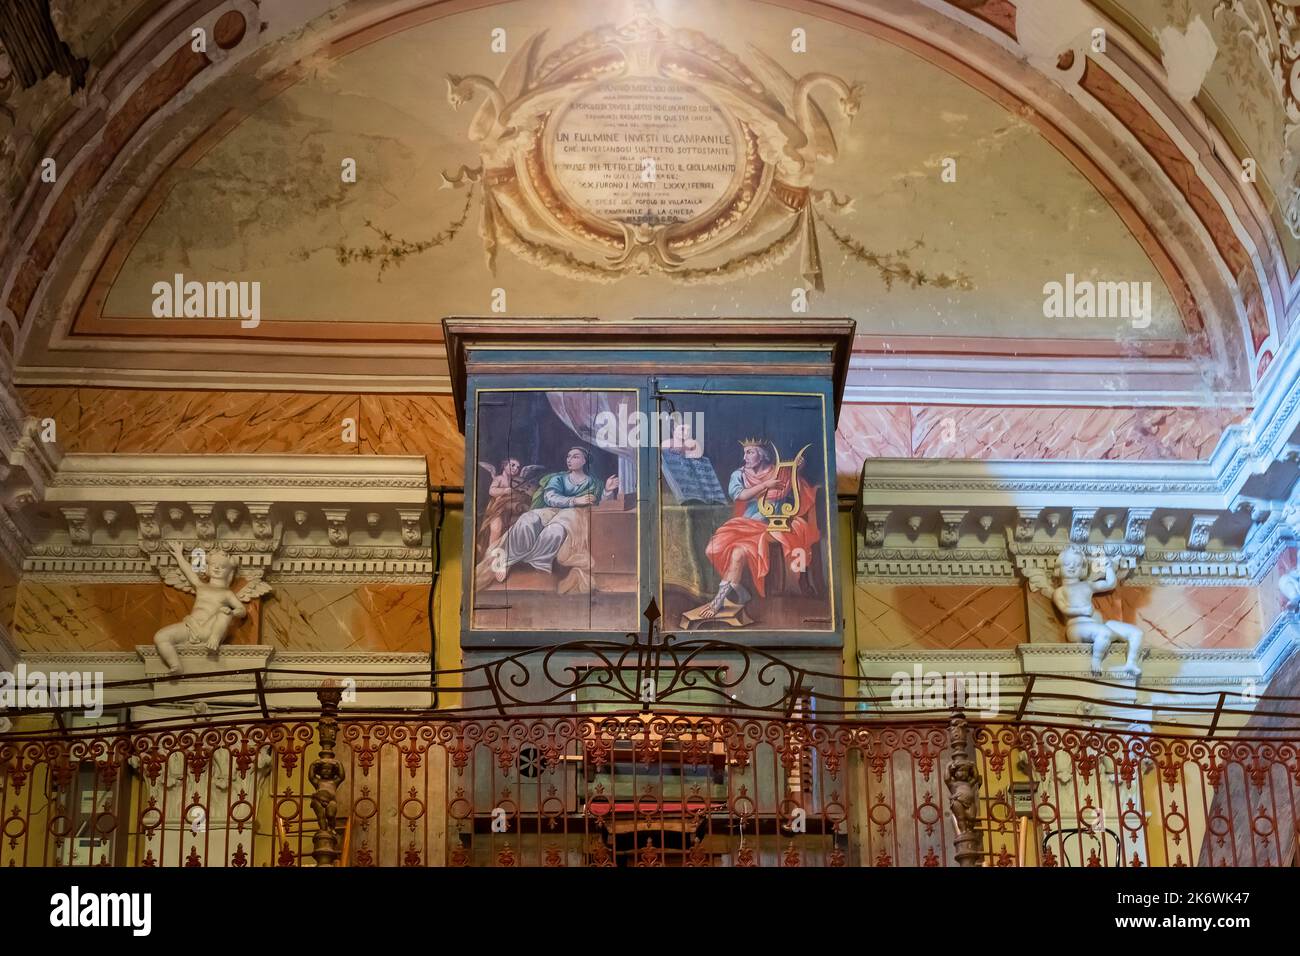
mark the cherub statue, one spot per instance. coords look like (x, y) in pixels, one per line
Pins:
(214, 604)
(1081, 578)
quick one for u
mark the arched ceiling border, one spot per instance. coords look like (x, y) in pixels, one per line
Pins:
(175, 72)
(1263, 202)
(1210, 143)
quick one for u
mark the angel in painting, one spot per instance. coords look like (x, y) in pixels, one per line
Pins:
(510, 494)
(214, 604)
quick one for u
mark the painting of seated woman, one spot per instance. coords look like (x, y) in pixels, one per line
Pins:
(744, 517)
(555, 530)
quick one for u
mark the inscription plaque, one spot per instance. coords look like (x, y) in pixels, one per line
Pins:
(645, 150)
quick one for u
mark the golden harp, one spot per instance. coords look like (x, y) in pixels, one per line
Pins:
(786, 504)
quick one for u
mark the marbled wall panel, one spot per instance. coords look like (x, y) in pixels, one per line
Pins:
(347, 617)
(1172, 617)
(59, 616)
(1087, 434)
(86, 617)
(175, 422)
(141, 421)
(415, 425)
(1195, 617)
(869, 431)
(968, 617)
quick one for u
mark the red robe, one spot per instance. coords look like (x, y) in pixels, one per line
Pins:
(751, 537)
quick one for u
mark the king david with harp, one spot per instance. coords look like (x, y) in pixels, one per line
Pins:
(773, 502)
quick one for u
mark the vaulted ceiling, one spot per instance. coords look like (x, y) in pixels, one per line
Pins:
(963, 155)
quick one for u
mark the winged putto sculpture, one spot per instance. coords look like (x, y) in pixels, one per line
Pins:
(215, 604)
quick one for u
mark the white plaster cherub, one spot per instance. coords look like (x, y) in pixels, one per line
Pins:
(1081, 578)
(214, 604)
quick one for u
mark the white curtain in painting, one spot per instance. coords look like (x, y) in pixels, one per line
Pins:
(580, 412)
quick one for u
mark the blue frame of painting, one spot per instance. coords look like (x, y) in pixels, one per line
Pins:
(665, 382)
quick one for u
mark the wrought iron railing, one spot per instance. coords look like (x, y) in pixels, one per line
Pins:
(627, 789)
(656, 753)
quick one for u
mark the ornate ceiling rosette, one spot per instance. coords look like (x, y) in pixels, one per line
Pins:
(644, 149)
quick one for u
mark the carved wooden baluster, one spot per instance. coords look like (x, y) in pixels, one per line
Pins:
(325, 775)
(963, 781)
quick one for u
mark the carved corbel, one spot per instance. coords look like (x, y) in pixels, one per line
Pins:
(1135, 525)
(1026, 523)
(1081, 525)
(950, 528)
(259, 513)
(146, 522)
(205, 529)
(873, 528)
(78, 524)
(1198, 536)
(410, 520)
(337, 518)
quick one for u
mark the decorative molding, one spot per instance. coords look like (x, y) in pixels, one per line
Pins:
(242, 502)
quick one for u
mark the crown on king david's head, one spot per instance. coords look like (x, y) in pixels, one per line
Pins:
(761, 442)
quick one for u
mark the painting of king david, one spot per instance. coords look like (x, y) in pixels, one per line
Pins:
(555, 528)
(744, 515)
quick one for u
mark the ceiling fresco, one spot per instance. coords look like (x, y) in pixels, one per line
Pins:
(895, 245)
(508, 145)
